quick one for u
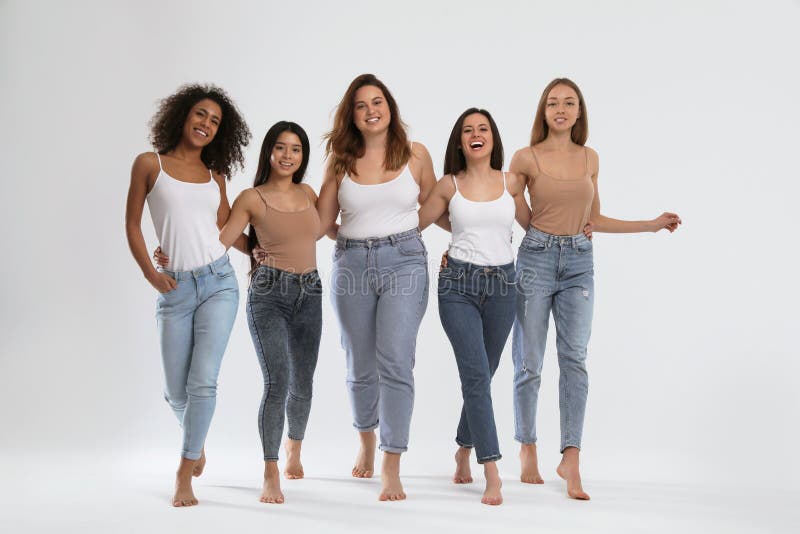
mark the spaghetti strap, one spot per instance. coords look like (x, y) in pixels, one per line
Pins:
(158, 156)
(264, 200)
(538, 167)
(454, 182)
(505, 182)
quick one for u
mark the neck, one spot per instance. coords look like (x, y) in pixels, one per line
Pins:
(373, 143)
(279, 183)
(186, 152)
(559, 140)
(479, 168)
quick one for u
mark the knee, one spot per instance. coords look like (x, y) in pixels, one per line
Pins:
(176, 399)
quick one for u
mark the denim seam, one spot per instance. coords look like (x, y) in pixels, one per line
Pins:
(260, 354)
(491, 458)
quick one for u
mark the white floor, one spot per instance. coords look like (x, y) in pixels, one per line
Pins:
(109, 496)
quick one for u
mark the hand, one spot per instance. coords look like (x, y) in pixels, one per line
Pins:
(587, 230)
(667, 220)
(163, 282)
(443, 263)
(161, 259)
(259, 254)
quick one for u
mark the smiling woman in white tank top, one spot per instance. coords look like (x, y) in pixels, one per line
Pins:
(375, 177)
(183, 184)
(476, 286)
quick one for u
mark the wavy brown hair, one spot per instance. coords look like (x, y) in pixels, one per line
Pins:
(580, 130)
(224, 153)
(345, 144)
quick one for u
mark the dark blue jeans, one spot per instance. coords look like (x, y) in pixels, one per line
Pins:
(477, 306)
(284, 312)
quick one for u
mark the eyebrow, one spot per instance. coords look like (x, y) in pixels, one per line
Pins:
(477, 125)
(213, 115)
(565, 98)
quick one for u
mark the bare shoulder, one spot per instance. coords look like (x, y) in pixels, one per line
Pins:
(146, 161)
(248, 197)
(308, 190)
(419, 151)
(445, 186)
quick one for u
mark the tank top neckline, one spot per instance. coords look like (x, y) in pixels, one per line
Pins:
(505, 190)
(270, 206)
(543, 173)
(168, 175)
(396, 178)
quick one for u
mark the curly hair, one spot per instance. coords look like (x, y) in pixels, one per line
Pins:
(345, 144)
(224, 154)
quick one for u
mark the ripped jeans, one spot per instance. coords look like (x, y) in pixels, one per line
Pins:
(554, 273)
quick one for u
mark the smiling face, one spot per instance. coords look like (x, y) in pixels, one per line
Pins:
(562, 108)
(202, 123)
(476, 136)
(371, 112)
(287, 155)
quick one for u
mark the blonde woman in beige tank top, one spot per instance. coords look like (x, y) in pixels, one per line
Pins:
(556, 273)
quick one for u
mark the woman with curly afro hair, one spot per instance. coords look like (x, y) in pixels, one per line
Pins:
(198, 136)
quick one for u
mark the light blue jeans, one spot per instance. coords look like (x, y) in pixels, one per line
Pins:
(194, 324)
(554, 273)
(380, 292)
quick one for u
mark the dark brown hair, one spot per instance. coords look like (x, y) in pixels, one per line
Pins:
(454, 160)
(345, 144)
(580, 130)
(224, 153)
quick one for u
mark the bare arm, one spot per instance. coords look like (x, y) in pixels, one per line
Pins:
(328, 204)
(516, 187)
(143, 171)
(224, 211)
(435, 206)
(238, 218)
(423, 167)
(601, 223)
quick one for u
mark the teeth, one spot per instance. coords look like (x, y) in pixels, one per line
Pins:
(476, 144)
(201, 132)
(374, 119)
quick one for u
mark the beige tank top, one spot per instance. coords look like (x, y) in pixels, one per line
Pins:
(561, 206)
(289, 237)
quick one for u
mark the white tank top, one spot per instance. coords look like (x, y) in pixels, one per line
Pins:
(482, 230)
(378, 210)
(185, 218)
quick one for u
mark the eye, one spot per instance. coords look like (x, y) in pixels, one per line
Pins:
(551, 104)
(360, 105)
(298, 150)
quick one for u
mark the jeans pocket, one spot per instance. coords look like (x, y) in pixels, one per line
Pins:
(532, 245)
(411, 247)
(584, 246)
(262, 281)
(338, 251)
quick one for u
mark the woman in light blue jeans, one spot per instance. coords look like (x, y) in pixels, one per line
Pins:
(477, 292)
(198, 136)
(375, 178)
(555, 271)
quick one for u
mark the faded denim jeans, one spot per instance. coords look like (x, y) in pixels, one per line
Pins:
(477, 306)
(554, 274)
(380, 292)
(194, 324)
(284, 313)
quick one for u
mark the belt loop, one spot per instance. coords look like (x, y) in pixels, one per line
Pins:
(574, 241)
(393, 239)
(213, 266)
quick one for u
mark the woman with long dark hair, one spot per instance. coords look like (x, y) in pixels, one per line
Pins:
(198, 136)
(375, 178)
(477, 293)
(284, 309)
(556, 271)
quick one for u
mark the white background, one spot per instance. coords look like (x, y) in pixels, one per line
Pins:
(692, 107)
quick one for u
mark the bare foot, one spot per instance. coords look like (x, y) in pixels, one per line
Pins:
(569, 471)
(271, 490)
(293, 469)
(463, 474)
(365, 461)
(492, 493)
(200, 464)
(390, 476)
(529, 464)
(184, 496)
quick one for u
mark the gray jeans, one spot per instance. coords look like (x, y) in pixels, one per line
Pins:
(380, 292)
(284, 312)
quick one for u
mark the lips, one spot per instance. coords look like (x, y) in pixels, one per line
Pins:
(200, 132)
(476, 145)
(286, 165)
(373, 120)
